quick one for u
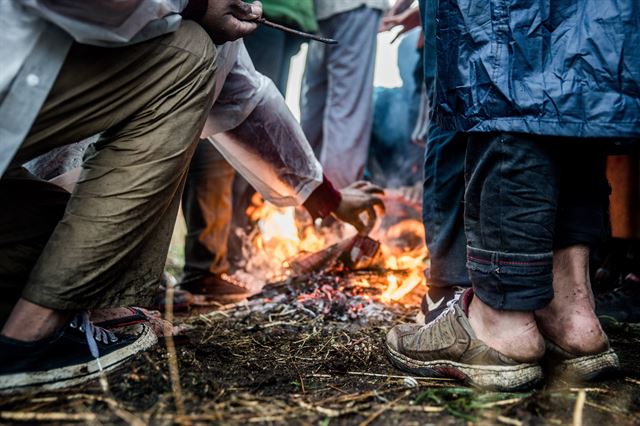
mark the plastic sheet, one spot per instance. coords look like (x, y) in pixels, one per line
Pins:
(109, 23)
(252, 127)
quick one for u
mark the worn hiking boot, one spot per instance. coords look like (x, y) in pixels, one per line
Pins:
(580, 368)
(448, 347)
(72, 356)
(436, 300)
(220, 288)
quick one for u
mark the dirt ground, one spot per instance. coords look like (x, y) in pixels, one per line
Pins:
(248, 364)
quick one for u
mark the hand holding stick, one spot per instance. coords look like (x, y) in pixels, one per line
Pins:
(296, 32)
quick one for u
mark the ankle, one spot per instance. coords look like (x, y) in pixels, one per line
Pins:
(512, 333)
(569, 321)
(576, 330)
(29, 322)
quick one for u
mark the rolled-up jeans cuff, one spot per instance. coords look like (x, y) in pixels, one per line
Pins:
(511, 281)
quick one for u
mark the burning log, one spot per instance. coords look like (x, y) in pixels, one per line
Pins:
(328, 270)
(358, 252)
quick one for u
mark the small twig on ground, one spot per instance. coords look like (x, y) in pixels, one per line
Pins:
(590, 390)
(28, 416)
(272, 324)
(418, 408)
(384, 408)
(391, 376)
(266, 419)
(300, 377)
(616, 411)
(500, 403)
(509, 421)
(579, 407)
(634, 381)
(329, 412)
(174, 372)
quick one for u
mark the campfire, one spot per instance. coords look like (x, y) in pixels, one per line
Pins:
(330, 270)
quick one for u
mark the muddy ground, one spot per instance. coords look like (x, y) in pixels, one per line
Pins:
(241, 365)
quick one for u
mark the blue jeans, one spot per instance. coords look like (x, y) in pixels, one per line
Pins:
(443, 207)
(526, 196)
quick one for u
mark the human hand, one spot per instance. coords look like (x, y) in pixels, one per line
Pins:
(360, 197)
(409, 19)
(398, 7)
(228, 20)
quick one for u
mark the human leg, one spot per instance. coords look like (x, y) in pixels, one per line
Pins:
(266, 48)
(206, 204)
(348, 114)
(149, 102)
(443, 218)
(511, 204)
(582, 222)
(207, 208)
(292, 44)
(271, 52)
(510, 207)
(313, 96)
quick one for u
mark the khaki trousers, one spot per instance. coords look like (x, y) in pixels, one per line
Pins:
(105, 244)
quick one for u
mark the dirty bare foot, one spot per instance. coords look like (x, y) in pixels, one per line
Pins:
(154, 320)
(570, 320)
(514, 334)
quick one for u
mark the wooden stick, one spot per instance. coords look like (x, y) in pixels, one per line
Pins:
(174, 372)
(391, 376)
(579, 407)
(296, 32)
(27, 416)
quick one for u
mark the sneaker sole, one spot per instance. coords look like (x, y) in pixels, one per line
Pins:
(493, 377)
(589, 367)
(65, 377)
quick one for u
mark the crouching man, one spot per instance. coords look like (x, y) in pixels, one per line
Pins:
(145, 80)
(142, 77)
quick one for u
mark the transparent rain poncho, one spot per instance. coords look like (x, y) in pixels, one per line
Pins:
(252, 127)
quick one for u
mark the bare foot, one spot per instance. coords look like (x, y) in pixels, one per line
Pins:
(570, 320)
(512, 333)
(160, 326)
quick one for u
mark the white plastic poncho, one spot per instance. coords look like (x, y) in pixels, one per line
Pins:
(252, 127)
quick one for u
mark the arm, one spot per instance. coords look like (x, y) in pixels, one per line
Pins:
(409, 19)
(251, 125)
(118, 22)
(398, 8)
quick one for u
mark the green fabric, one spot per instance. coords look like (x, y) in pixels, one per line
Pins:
(296, 13)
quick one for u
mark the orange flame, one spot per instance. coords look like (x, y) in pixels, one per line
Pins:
(285, 233)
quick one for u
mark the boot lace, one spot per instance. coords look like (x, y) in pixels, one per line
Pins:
(92, 333)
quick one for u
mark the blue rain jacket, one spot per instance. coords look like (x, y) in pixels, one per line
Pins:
(548, 67)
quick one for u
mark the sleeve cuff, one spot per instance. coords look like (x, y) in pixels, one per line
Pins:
(323, 200)
(195, 10)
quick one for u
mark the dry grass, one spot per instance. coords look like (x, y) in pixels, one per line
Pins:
(288, 367)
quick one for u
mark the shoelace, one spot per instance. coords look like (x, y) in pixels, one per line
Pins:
(442, 314)
(93, 334)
